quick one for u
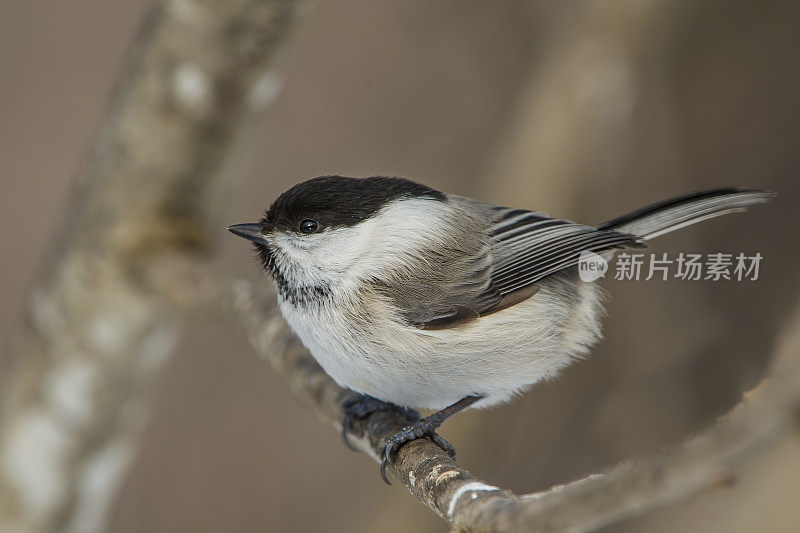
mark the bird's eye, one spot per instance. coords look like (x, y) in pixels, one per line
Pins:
(309, 226)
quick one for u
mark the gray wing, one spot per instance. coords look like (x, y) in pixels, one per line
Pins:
(493, 260)
(436, 300)
(528, 247)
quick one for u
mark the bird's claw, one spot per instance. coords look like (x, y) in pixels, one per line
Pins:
(360, 406)
(419, 429)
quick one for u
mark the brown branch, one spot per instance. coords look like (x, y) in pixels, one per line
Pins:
(468, 504)
(132, 256)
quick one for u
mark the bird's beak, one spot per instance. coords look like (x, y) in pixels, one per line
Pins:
(251, 232)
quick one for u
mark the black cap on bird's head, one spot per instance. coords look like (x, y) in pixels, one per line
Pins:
(331, 202)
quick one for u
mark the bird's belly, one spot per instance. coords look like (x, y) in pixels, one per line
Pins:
(497, 355)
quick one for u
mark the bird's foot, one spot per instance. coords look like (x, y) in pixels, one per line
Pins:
(360, 406)
(419, 429)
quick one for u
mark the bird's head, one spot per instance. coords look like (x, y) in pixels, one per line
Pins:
(331, 227)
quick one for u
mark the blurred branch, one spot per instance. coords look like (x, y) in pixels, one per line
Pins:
(703, 462)
(132, 257)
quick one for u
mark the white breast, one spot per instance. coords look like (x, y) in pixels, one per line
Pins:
(497, 355)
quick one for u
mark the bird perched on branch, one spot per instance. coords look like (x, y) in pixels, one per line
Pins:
(415, 298)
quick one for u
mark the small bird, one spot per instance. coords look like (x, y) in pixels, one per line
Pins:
(415, 298)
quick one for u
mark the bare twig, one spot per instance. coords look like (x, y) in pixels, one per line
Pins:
(133, 254)
(468, 504)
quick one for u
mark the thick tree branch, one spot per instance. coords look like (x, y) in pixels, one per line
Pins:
(132, 255)
(468, 504)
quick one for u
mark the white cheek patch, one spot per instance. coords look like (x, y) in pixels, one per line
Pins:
(398, 230)
(328, 252)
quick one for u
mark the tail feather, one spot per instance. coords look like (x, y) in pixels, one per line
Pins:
(675, 213)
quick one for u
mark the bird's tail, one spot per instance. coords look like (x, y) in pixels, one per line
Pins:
(681, 211)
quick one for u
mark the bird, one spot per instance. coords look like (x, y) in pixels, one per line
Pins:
(415, 298)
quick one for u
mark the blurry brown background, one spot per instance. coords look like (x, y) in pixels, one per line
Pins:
(581, 109)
